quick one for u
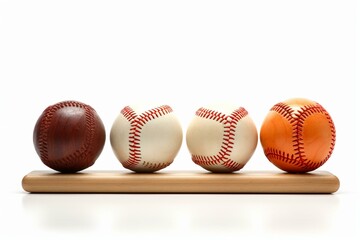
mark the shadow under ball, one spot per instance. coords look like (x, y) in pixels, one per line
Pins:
(69, 136)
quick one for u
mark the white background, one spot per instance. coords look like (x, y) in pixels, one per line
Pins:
(187, 54)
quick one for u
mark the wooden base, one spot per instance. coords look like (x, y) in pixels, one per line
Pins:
(179, 182)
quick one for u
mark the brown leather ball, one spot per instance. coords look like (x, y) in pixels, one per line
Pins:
(69, 136)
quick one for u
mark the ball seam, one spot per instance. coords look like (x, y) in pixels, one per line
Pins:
(137, 122)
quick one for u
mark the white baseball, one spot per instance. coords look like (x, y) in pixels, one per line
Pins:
(221, 138)
(146, 140)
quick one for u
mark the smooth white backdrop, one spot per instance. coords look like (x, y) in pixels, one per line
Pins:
(109, 54)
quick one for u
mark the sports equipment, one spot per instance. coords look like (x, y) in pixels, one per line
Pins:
(69, 136)
(221, 137)
(146, 139)
(298, 135)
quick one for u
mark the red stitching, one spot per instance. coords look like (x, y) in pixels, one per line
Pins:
(155, 165)
(43, 132)
(229, 123)
(136, 124)
(273, 153)
(297, 121)
(333, 135)
(285, 111)
(128, 113)
(81, 153)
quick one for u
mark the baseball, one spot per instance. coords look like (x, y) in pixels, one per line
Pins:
(69, 136)
(146, 139)
(298, 135)
(221, 138)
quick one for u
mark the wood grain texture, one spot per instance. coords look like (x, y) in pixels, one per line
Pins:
(179, 182)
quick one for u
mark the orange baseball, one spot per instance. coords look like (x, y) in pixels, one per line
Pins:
(298, 135)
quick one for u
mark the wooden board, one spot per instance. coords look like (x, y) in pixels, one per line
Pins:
(179, 182)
